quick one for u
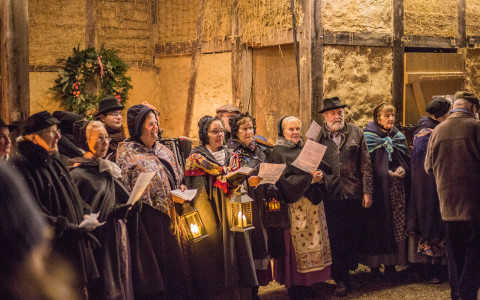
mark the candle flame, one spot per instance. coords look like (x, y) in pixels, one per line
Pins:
(195, 230)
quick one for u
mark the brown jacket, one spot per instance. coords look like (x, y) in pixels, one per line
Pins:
(352, 169)
(453, 157)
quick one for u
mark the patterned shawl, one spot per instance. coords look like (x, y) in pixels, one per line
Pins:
(398, 142)
(198, 164)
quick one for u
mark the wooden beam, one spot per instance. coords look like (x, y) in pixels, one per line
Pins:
(90, 23)
(196, 53)
(317, 60)
(305, 52)
(357, 38)
(430, 41)
(462, 25)
(398, 91)
(237, 60)
(15, 97)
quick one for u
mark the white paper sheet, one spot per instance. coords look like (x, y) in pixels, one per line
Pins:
(270, 173)
(310, 157)
(313, 131)
(91, 222)
(140, 186)
(187, 195)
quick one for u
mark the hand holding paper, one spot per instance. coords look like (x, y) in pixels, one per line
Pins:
(310, 157)
(90, 222)
(270, 173)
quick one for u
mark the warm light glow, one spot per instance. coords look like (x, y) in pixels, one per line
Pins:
(242, 220)
(195, 230)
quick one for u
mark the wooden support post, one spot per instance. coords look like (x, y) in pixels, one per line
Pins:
(90, 23)
(196, 53)
(398, 59)
(237, 60)
(304, 35)
(462, 32)
(317, 60)
(15, 91)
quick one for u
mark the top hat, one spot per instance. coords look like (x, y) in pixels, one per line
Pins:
(108, 104)
(331, 103)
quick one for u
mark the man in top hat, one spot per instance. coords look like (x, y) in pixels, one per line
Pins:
(453, 158)
(55, 192)
(5, 142)
(349, 187)
(224, 112)
(110, 113)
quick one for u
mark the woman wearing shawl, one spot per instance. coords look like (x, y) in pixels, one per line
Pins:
(427, 239)
(242, 143)
(158, 269)
(222, 263)
(97, 180)
(307, 256)
(384, 222)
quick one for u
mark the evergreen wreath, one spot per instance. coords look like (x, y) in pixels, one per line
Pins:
(88, 77)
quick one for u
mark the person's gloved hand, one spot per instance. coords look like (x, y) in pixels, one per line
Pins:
(121, 211)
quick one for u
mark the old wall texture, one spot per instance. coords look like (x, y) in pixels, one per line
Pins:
(176, 20)
(431, 18)
(472, 71)
(127, 26)
(41, 98)
(55, 27)
(357, 15)
(214, 88)
(472, 10)
(360, 76)
(275, 89)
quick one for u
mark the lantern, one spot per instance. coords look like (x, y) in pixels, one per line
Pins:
(193, 225)
(241, 211)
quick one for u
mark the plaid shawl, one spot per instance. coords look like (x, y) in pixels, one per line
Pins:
(198, 165)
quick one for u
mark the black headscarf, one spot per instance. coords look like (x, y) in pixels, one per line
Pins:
(203, 125)
(234, 123)
(136, 116)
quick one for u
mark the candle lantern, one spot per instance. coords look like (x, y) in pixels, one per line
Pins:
(192, 224)
(241, 211)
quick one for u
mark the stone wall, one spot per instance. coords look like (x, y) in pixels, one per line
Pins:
(472, 11)
(472, 71)
(360, 76)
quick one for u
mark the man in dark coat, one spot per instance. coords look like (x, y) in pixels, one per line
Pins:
(110, 113)
(453, 157)
(56, 194)
(348, 188)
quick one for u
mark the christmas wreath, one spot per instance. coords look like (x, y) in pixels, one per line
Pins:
(88, 77)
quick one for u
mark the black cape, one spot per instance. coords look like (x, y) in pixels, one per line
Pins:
(377, 220)
(423, 209)
(103, 193)
(59, 199)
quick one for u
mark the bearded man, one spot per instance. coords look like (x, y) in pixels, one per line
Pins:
(349, 187)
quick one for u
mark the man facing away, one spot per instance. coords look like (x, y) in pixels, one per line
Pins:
(110, 113)
(349, 188)
(453, 157)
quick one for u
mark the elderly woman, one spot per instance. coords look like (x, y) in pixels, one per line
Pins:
(307, 257)
(97, 180)
(384, 222)
(222, 262)
(55, 192)
(250, 155)
(424, 222)
(158, 269)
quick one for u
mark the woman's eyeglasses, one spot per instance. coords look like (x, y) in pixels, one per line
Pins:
(216, 132)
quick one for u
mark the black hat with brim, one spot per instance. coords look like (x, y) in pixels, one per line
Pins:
(109, 104)
(38, 121)
(3, 124)
(332, 103)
